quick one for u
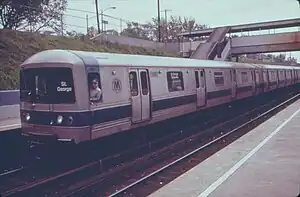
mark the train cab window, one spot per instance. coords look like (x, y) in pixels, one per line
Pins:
(219, 78)
(144, 83)
(175, 81)
(133, 82)
(47, 85)
(95, 90)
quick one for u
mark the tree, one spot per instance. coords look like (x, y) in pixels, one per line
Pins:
(12, 13)
(32, 15)
(169, 29)
(176, 25)
(136, 30)
(92, 31)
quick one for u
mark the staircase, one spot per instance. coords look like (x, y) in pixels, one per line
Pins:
(213, 46)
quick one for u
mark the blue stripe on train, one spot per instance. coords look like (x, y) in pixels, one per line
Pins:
(120, 112)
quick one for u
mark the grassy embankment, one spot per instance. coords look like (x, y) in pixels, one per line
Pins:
(16, 47)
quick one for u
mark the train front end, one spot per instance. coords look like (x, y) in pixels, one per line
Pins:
(51, 108)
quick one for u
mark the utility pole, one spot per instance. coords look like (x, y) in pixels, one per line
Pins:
(97, 12)
(62, 24)
(102, 30)
(158, 19)
(121, 26)
(87, 24)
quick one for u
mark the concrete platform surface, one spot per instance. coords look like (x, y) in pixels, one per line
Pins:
(9, 124)
(264, 162)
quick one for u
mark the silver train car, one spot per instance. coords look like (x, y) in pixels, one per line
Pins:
(136, 90)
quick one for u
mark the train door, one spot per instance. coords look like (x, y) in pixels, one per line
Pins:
(258, 81)
(277, 78)
(234, 82)
(253, 77)
(266, 80)
(200, 87)
(285, 78)
(295, 76)
(140, 94)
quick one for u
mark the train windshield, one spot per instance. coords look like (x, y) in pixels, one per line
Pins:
(47, 85)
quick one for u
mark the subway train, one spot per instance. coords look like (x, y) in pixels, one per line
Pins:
(77, 96)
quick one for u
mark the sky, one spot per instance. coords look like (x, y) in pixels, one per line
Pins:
(214, 13)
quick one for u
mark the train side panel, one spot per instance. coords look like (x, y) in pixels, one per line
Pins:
(219, 86)
(244, 83)
(173, 92)
(113, 113)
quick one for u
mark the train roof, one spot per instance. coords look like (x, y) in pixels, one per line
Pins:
(114, 59)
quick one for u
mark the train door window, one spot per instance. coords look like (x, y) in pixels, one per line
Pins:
(234, 75)
(144, 82)
(202, 79)
(133, 83)
(244, 77)
(273, 75)
(257, 80)
(219, 78)
(95, 90)
(197, 79)
(175, 81)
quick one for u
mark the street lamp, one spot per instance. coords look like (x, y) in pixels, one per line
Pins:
(102, 11)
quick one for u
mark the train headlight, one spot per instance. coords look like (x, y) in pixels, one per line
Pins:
(59, 119)
(70, 120)
(27, 117)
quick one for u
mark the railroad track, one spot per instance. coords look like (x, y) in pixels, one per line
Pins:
(106, 170)
(38, 170)
(136, 188)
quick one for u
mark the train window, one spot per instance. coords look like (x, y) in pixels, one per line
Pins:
(244, 77)
(272, 76)
(144, 82)
(95, 90)
(281, 74)
(202, 79)
(257, 77)
(175, 81)
(197, 79)
(47, 85)
(219, 78)
(133, 82)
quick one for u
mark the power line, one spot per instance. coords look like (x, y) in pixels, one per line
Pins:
(77, 10)
(73, 16)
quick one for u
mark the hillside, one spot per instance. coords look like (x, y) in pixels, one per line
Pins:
(16, 47)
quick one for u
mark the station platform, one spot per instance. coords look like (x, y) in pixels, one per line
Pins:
(264, 163)
(10, 124)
